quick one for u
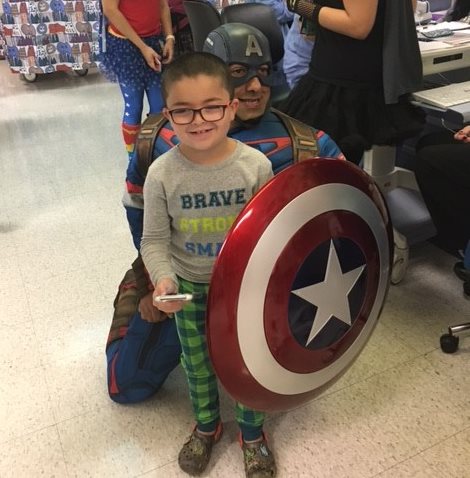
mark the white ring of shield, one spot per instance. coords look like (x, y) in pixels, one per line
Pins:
(250, 323)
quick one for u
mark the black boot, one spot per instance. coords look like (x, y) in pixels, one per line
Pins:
(462, 272)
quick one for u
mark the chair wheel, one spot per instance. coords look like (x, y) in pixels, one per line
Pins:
(29, 77)
(449, 343)
(82, 72)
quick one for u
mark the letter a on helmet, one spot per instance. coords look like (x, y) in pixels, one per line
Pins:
(253, 47)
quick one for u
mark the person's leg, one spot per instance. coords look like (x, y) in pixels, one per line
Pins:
(140, 354)
(133, 104)
(257, 457)
(443, 175)
(154, 96)
(191, 326)
(190, 321)
(250, 422)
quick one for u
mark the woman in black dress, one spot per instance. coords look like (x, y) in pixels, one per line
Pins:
(364, 64)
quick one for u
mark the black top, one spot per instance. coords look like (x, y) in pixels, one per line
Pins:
(342, 60)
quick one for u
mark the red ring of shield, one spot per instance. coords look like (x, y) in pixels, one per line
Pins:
(221, 327)
(284, 347)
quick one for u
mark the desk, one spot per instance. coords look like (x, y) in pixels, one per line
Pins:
(440, 60)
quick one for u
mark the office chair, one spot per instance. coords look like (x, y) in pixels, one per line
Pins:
(450, 341)
(203, 18)
(262, 17)
(411, 220)
(182, 32)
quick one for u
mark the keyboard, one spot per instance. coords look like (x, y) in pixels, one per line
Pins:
(438, 33)
(445, 96)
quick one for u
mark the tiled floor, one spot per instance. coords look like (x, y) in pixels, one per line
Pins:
(403, 410)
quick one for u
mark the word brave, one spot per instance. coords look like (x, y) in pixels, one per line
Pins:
(213, 199)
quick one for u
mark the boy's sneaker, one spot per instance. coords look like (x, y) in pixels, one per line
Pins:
(196, 452)
(258, 458)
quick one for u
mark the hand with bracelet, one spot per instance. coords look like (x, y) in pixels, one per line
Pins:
(309, 14)
(305, 8)
(168, 49)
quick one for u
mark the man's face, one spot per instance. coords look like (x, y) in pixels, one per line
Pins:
(253, 96)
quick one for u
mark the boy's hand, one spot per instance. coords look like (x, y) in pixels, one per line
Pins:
(148, 311)
(166, 286)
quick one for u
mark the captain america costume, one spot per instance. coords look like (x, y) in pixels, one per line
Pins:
(141, 354)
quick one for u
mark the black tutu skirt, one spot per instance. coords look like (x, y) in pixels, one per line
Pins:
(347, 111)
(122, 62)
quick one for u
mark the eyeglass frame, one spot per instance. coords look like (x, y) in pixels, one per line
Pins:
(199, 110)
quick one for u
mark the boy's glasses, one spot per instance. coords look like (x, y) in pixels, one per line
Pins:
(208, 113)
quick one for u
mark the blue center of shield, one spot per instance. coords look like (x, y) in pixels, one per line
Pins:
(327, 293)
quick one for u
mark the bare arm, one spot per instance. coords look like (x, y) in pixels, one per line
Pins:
(165, 19)
(355, 21)
(414, 3)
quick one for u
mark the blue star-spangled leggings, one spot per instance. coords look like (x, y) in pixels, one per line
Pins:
(133, 107)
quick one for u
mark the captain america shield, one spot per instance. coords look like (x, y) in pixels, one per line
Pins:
(299, 284)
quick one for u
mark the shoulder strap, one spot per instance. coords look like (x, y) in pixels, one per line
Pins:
(146, 141)
(304, 141)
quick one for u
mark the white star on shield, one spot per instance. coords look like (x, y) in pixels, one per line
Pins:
(331, 295)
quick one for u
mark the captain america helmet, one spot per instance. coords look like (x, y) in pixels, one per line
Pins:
(244, 45)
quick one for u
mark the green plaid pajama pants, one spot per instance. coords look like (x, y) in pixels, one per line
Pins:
(191, 326)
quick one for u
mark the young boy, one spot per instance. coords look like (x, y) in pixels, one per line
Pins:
(192, 195)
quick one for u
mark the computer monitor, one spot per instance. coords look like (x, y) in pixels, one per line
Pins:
(439, 5)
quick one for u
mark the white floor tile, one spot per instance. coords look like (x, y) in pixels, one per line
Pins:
(14, 305)
(120, 441)
(384, 350)
(50, 260)
(71, 332)
(77, 383)
(25, 401)
(19, 346)
(452, 456)
(72, 290)
(32, 455)
(415, 467)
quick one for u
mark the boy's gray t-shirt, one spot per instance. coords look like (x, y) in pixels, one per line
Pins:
(190, 207)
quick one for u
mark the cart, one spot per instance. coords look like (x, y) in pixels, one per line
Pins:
(50, 35)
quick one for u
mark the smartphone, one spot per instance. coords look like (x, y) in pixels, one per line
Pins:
(173, 297)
